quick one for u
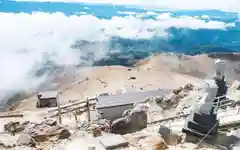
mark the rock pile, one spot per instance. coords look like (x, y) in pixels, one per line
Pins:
(171, 100)
(36, 132)
(14, 127)
(45, 130)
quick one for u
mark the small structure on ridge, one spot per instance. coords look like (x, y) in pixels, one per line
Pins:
(112, 107)
(47, 99)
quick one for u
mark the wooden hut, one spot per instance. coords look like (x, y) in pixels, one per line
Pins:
(47, 99)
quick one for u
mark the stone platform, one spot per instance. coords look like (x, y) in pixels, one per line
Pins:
(201, 122)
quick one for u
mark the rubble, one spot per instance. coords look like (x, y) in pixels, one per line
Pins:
(83, 125)
(235, 85)
(104, 125)
(26, 140)
(96, 132)
(50, 122)
(7, 146)
(13, 127)
(43, 131)
(153, 142)
(112, 141)
(170, 101)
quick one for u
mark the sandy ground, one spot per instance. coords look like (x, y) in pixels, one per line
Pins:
(151, 74)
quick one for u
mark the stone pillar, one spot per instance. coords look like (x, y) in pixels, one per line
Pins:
(220, 68)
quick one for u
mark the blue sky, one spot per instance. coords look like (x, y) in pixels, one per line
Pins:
(225, 5)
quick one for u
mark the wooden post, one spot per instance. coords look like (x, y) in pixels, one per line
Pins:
(59, 111)
(75, 117)
(88, 111)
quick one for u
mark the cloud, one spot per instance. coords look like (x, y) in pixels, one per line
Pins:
(28, 39)
(225, 5)
(205, 17)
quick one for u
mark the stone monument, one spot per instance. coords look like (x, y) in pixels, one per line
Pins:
(220, 78)
(203, 122)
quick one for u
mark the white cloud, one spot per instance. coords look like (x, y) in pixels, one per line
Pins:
(26, 38)
(127, 13)
(226, 5)
(205, 17)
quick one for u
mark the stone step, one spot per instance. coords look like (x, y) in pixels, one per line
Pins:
(204, 119)
(202, 128)
(197, 134)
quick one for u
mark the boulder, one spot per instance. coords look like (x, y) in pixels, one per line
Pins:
(26, 140)
(158, 99)
(178, 90)
(64, 134)
(133, 120)
(120, 126)
(170, 100)
(183, 94)
(13, 127)
(50, 122)
(165, 132)
(138, 118)
(96, 132)
(188, 87)
(169, 137)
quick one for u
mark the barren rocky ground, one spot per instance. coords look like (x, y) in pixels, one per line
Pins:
(159, 71)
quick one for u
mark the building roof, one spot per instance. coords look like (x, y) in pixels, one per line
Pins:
(48, 94)
(127, 98)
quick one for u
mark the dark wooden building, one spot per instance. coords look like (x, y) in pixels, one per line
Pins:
(47, 99)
